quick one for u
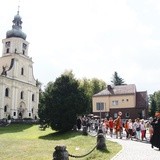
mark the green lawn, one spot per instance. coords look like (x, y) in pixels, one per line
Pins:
(27, 142)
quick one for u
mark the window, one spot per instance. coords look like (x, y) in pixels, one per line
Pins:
(7, 92)
(127, 100)
(22, 95)
(114, 103)
(7, 50)
(29, 114)
(32, 97)
(5, 108)
(7, 44)
(24, 46)
(115, 115)
(127, 115)
(100, 106)
(14, 114)
(23, 52)
(22, 71)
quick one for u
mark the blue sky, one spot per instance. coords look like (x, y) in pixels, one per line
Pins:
(93, 38)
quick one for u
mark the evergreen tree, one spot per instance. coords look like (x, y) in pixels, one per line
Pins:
(62, 101)
(116, 80)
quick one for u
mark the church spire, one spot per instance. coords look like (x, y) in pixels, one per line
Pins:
(16, 28)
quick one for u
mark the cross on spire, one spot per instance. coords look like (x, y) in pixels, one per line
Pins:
(18, 7)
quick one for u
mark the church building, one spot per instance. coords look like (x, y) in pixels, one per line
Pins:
(19, 92)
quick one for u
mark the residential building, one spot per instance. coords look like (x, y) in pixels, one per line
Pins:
(122, 98)
(19, 93)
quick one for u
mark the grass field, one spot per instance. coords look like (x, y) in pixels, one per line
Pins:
(27, 142)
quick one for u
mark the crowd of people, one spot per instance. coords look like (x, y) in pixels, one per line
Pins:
(130, 129)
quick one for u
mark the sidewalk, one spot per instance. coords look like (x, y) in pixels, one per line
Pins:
(135, 150)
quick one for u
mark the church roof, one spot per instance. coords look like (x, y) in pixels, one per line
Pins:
(16, 28)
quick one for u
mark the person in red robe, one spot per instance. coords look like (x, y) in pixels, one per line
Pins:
(118, 125)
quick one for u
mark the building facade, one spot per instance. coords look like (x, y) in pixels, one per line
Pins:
(19, 93)
(122, 98)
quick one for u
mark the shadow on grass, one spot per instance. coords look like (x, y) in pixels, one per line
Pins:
(104, 151)
(61, 136)
(14, 128)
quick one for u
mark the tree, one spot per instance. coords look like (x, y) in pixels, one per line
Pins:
(153, 106)
(116, 80)
(42, 108)
(39, 85)
(97, 85)
(157, 99)
(91, 86)
(154, 103)
(62, 101)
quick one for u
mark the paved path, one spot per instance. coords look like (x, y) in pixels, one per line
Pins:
(135, 150)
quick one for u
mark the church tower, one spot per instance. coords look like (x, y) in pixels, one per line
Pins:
(19, 93)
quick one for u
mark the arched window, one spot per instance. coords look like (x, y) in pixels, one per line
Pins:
(22, 71)
(5, 108)
(22, 95)
(7, 92)
(32, 97)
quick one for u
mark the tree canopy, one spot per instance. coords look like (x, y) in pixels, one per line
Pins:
(154, 103)
(66, 98)
(117, 80)
(91, 86)
(62, 101)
